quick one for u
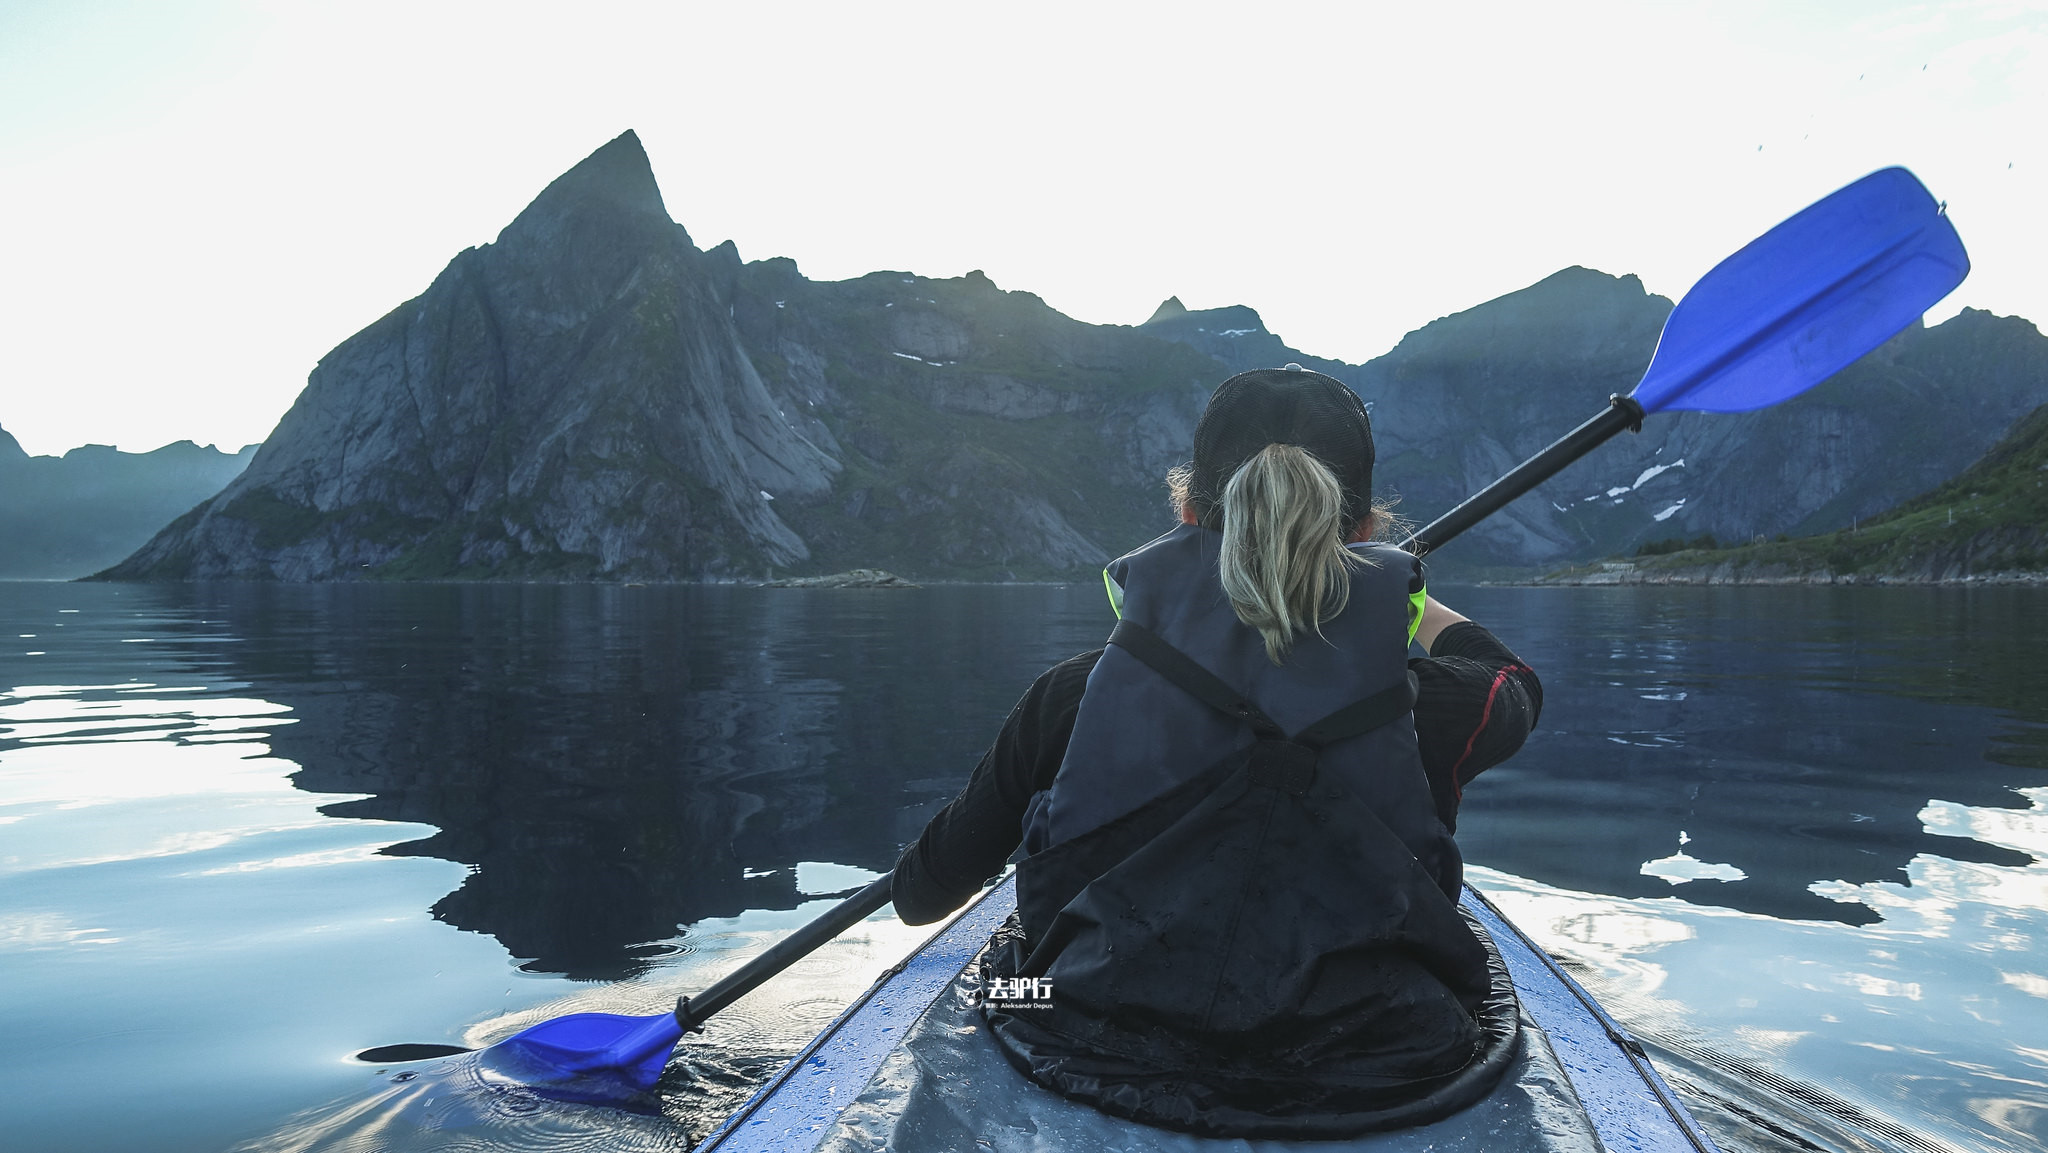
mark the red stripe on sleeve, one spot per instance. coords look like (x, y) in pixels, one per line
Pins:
(1485, 715)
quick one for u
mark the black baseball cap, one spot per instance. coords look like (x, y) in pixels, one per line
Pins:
(1290, 405)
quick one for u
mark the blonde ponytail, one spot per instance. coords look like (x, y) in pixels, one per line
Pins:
(1284, 564)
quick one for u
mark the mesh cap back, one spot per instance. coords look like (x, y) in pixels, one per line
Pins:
(1289, 405)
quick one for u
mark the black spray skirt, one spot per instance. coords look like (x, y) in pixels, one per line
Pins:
(1242, 960)
(1159, 1080)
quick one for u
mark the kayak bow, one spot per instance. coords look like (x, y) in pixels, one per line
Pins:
(909, 1067)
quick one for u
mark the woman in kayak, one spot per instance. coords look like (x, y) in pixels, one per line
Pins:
(1239, 888)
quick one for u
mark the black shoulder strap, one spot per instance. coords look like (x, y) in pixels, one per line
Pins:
(1181, 670)
(1358, 717)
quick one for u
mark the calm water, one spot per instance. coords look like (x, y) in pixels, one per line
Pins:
(1798, 839)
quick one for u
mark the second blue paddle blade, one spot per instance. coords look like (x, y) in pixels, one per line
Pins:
(584, 1045)
(1804, 300)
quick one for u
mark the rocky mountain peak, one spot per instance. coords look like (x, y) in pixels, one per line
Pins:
(1573, 314)
(11, 451)
(1167, 310)
(1977, 320)
(614, 183)
(572, 400)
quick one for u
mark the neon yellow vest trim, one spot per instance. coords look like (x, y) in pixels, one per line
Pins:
(1116, 597)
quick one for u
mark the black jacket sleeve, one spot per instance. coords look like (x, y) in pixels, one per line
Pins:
(1478, 703)
(970, 839)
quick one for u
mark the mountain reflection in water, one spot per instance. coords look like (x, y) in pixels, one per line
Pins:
(613, 763)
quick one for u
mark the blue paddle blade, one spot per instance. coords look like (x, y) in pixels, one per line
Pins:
(1806, 299)
(583, 1047)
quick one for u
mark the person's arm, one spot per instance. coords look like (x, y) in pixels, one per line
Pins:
(970, 839)
(1435, 619)
(1479, 702)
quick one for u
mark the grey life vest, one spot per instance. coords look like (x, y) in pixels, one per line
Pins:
(1139, 734)
(1238, 887)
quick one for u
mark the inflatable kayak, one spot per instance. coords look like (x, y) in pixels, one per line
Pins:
(909, 1067)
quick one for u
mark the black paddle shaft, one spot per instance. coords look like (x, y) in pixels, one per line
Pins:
(692, 1012)
(1621, 413)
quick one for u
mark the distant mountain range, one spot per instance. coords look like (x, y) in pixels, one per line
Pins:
(594, 397)
(1988, 522)
(64, 517)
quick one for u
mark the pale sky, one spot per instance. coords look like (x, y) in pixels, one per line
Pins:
(199, 199)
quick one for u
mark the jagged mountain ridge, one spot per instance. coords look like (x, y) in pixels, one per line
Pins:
(570, 400)
(593, 397)
(1465, 398)
(64, 516)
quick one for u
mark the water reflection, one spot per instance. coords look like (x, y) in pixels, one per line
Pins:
(1805, 1035)
(577, 773)
(1793, 736)
(610, 763)
(464, 1102)
(1796, 836)
(1926, 902)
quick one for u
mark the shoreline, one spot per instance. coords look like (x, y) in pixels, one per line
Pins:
(1728, 574)
(1600, 574)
